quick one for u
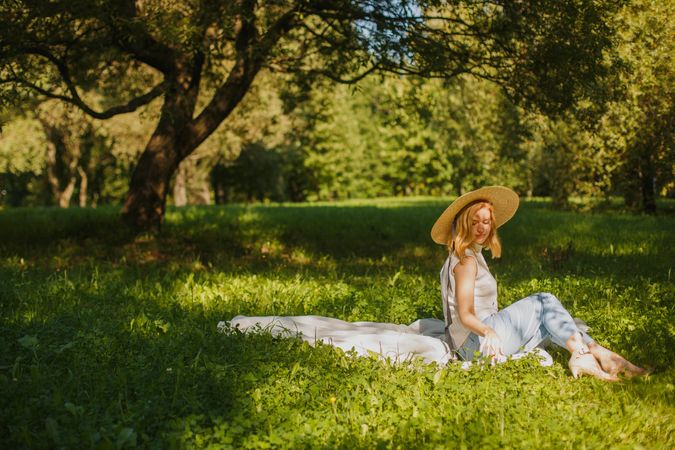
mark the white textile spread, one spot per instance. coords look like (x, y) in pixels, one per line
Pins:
(423, 338)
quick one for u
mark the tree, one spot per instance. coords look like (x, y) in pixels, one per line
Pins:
(479, 134)
(22, 157)
(61, 143)
(77, 152)
(638, 127)
(191, 53)
(628, 148)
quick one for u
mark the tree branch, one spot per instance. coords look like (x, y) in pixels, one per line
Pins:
(251, 52)
(75, 97)
(352, 80)
(130, 106)
(141, 44)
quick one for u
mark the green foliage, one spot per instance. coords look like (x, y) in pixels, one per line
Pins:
(393, 135)
(22, 145)
(202, 59)
(110, 341)
(55, 153)
(638, 125)
(254, 175)
(403, 136)
(626, 146)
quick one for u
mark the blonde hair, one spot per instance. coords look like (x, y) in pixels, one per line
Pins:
(463, 237)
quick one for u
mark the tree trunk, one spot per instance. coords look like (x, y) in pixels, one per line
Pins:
(83, 187)
(178, 133)
(647, 184)
(66, 194)
(217, 176)
(169, 144)
(61, 161)
(146, 200)
(173, 140)
(179, 186)
(203, 193)
(639, 190)
(458, 187)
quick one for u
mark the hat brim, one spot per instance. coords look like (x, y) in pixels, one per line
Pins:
(504, 202)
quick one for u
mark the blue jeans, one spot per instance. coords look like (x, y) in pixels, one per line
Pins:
(526, 324)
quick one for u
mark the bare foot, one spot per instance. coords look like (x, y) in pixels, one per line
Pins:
(613, 363)
(582, 362)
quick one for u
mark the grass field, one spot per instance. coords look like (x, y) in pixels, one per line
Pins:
(110, 341)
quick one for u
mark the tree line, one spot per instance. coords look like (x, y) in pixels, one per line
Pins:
(577, 101)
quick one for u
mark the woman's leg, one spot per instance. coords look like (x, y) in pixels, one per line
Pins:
(559, 325)
(520, 326)
(527, 322)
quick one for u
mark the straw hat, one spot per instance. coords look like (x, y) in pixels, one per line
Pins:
(504, 202)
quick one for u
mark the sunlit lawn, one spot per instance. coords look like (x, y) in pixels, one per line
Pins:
(111, 342)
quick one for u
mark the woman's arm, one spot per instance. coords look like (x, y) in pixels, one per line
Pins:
(465, 281)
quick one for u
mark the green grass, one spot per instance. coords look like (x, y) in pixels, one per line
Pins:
(110, 341)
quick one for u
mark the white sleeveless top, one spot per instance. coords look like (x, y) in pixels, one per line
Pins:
(484, 295)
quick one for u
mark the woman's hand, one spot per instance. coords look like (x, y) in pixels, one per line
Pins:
(492, 344)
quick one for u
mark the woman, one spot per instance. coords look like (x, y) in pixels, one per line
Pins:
(473, 322)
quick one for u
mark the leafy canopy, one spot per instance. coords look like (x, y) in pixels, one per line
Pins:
(546, 52)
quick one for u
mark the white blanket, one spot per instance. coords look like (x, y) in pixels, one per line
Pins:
(423, 338)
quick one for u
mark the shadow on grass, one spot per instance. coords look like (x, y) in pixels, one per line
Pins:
(109, 378)
(96, 367)
(116, 347)
(108, 364)
(348, 238)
